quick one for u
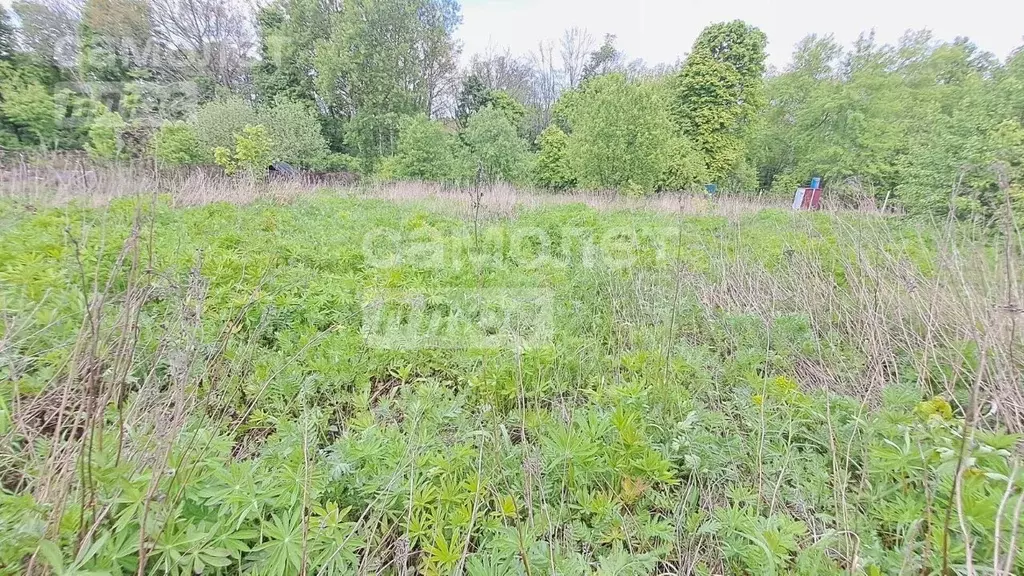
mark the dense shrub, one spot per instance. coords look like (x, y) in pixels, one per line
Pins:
(337, 162)
(216, 123)
(29, 108)
(426, 151)
(495, 146)
(553, 169)
(176, 144)
(297, 136)
(622, 135)
(252, 153)
(296, 133)
(683, 166)
(105, 136)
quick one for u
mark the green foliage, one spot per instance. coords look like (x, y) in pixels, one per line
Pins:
(472, 97)
(105, 136)
(553, 168)
(364, 69)
(929, 127)
(495, 146)
(288, 35)
(252, 153)
(216, 123)
(605, 60)
(426, 151)
(719, 91)
(337, 162)
(673, 416)
(622, 135)
(297, 136)
(684, 167)
(740, 46)
(920, 124)
(176, 144)
(507, 105)
(29, 108)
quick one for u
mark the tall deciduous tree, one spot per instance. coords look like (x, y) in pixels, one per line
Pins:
(574, 48)
(49, 29)
(547, 84)
(503, 71)
(211, 39)
(386, 59)
(719, 91)
(621, 134)
(604, 60)
(116, 40)
(495, 146)
(289, 31)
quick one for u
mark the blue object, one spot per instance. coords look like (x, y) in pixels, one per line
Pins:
(711, 189)
(815, 183)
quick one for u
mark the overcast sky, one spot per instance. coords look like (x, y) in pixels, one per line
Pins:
(664, 30)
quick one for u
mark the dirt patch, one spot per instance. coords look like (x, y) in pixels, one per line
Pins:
(51, 414)
(383, 387)
(248, 442)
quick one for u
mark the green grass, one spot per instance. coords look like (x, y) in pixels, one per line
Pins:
(621, 392)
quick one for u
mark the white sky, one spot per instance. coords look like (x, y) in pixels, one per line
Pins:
(664, 30)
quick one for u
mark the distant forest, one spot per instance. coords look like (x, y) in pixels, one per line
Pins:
(376, 87)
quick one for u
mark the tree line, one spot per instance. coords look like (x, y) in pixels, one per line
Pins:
(375, 86)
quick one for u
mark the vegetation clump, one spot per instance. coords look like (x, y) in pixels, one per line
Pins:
(341, 385)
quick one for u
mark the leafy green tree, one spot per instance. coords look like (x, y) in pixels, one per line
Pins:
(105, 136)
(216, 123)
(958, 163)
(507, 105)
(741, 47)
(289, 32)
(918, 124)
(384, 60)
(495, 146)
(176, 144)
(719, 91)
(472, 97)
(605, 60)
(553, 169)
(29, 108)
(426, 151)
(252, 153)
(297, 136)
(622, 134)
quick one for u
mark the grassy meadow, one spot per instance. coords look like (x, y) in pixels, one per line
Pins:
(379, 382)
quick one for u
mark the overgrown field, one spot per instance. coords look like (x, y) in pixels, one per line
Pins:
(341, 385)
